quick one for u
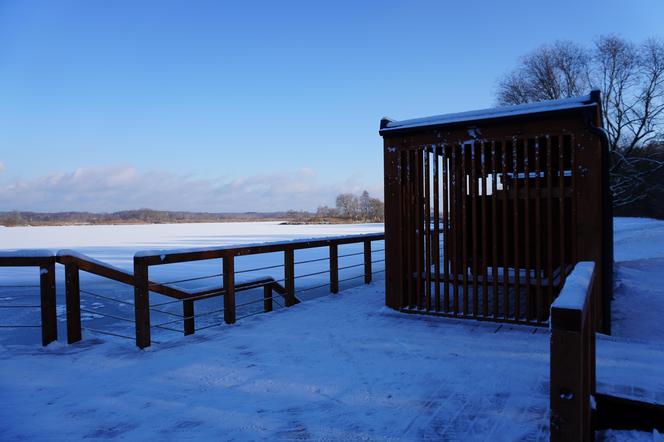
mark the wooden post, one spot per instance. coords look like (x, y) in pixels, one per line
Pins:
(188, 313)
(572, 360)
(289, 277)
(141, 303)
(334, 268)
(267, 297)
(229, 288)
(73, 295)
(49, 320)
(367, 262)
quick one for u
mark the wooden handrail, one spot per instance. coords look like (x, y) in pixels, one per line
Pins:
(573, 356)
(143, 260)
(158, 257)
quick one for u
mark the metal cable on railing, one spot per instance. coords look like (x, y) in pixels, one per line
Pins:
(312, 274)
(108, 298)
(312, 288)
(102, 332)
(20, 326)
(257, 269)
(311, 260)
(107, 315)
(351, 266)
(352, 277)
(20, 306)
(19, 286)
(197, 278)
(210, 326)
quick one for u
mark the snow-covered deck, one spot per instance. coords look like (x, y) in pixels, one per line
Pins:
(339, 367)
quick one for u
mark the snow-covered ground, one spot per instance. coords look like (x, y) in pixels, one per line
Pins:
(340, 367)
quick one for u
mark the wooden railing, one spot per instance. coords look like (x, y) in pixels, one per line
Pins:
(573, 356)
(227, 287)
(144, 260)
(45, 261)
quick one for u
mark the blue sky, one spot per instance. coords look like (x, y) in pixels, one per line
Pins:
(234, 106)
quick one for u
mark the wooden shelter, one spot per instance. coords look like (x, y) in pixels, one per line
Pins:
(487, 212)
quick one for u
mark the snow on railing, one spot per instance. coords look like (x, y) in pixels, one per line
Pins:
(573, 356)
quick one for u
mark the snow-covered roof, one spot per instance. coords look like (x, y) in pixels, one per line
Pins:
(388, 125)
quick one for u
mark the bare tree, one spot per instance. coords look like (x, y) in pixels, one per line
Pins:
(549, 73)
(347, 205)
(631, 78)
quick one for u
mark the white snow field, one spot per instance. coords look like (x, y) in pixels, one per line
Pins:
(339, 367)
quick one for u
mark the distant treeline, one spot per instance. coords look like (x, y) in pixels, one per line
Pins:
(350, 208)
(140, 216)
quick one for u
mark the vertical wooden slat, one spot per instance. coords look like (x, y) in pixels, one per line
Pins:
(410, 223)
(538, 233)
(505, 243)
(517, 233)
(454, 227)
(334, 268)
(405, 232)
(435, 242)
(367, 262)
(427, 227)
(229, 288)
(494, 228)
(573, 221)
(485, 235)
(289, 277)
(447, 237)
(49, 318)
(189, 325)
(267, 298)
(526, 225)
(73, 300)
(464, 227)
(473, 208)
(419, 224)
(549, 222)
(561, 201)
(141, 303)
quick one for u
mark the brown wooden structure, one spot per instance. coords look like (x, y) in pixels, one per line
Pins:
(486, 212)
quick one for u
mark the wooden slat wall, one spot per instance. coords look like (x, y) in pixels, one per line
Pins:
(487, 226)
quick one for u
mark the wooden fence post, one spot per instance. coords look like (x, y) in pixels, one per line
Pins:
(289, 277)
(572, 357)
(229, 288)
(334, 268)
(367, 262)
(141, 303)
(49, 319)
(267, 297)
(188, 313)
(73, 296)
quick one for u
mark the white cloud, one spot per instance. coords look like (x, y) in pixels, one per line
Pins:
(2, 167)
(124, 187)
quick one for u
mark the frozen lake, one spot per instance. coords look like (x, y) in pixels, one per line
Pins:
(116, 245)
